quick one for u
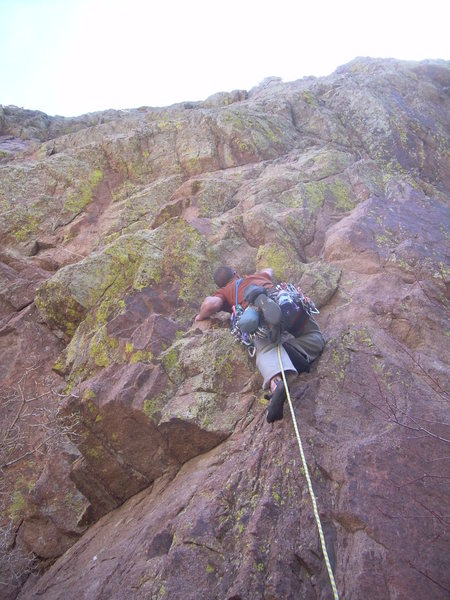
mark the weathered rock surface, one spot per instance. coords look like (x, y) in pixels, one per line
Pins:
(112, 225)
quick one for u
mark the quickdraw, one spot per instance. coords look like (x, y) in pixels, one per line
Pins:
(296, 294)
(241, 337)
(246, 339)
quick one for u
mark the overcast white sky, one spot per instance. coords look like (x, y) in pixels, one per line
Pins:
(69, 57)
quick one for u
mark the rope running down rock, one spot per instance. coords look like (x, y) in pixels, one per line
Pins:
(308, 479)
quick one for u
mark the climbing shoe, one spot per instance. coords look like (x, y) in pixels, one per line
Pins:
(252, 292)
(275, 410)
(298, 359)
(269, 308)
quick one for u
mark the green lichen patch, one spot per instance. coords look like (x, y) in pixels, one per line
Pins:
(82, 299)
(341, 359)
(335, 192)
(17, 506)
(80, 198)
(212, 367)
(59, 308)
(360, 337)
(142, 204)
(282, 259)
(323, 163)
(95, 284)
(145, 356)
(220, 360)
(214, 197)
(170, 360)
(253, 135)
(293, 198)
(309, 97)
(25, 221)
(89, 394)
(152, 406)
(187, 261)
(103, 348)
(59, 366)
(191, 357)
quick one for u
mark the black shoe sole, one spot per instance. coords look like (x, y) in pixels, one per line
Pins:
(269, 308)
(275, 410)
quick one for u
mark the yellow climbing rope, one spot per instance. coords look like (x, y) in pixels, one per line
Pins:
(308, 479)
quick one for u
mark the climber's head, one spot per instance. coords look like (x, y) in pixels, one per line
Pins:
(223, 275)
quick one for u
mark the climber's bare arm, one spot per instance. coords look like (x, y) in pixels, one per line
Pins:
(210, 305)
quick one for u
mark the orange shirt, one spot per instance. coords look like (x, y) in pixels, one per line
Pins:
(228, 292)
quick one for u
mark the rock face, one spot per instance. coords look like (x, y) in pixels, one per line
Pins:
(143, 436)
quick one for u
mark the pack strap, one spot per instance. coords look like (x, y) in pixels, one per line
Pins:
(238, 282)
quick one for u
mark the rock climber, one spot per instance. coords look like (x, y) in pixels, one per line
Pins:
(299, 347)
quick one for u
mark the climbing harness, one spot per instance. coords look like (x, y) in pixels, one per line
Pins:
(308, 479)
